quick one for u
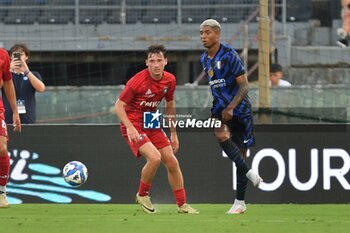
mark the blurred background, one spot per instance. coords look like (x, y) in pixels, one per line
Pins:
(86, 50)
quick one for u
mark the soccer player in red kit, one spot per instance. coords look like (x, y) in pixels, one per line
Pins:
(143, 93)
(6, 82)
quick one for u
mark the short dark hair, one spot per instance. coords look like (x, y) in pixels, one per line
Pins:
(156, 48)
(17, 47)
(275, 68)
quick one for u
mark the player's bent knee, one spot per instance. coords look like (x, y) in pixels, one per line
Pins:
(154, 161)
(222, 136)
(172, 164)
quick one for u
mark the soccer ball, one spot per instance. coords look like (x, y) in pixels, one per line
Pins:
(75, 173)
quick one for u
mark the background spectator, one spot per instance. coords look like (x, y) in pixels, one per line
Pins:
(26, 84)
(276, 74)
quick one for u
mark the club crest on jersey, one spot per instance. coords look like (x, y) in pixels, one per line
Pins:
(211, 73)
(141, 137)
(165, 90)
(218, 65)
(149, 93)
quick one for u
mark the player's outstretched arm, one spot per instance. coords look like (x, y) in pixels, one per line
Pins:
(11, 96)
(119, 108)
(171, 114)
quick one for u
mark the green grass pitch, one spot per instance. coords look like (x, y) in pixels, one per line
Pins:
(81, 218)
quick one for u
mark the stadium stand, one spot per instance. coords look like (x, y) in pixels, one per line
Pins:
(137, 2)
(159, 16)
(62, 2)
(92, 16)
(133, 15)
(195, 15)
(113, 16)
(56, 16)
(196, 2)
(162, 2)
(20, 16)
(299, 12)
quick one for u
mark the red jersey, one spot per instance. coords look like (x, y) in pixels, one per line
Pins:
(5, 73)
(143, 94)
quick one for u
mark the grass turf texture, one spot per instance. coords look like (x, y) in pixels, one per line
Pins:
(51, 218)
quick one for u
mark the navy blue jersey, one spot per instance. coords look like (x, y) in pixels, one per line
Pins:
(24, 92)
(222, 71)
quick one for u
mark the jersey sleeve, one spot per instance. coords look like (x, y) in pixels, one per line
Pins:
(5, 69)
(127, 93)
(237, 67)
(170, 94)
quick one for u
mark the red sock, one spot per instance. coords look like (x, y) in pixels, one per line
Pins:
(180, 196)
(4, 169)
(144, 189)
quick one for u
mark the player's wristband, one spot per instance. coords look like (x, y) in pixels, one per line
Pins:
(26, 72)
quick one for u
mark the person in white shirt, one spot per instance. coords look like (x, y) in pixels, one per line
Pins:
(276, 74)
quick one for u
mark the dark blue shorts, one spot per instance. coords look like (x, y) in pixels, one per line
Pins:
(242, 131)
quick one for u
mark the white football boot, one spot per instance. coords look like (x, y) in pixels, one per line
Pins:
(238, 207)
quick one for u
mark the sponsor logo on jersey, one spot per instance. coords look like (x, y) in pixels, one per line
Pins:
(216, 83)
(152, 104)
(149, 93)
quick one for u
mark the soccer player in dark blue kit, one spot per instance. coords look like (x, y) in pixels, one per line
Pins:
(231, 105)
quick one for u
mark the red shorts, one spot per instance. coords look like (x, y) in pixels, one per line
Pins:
(156, 136)
(3, 128)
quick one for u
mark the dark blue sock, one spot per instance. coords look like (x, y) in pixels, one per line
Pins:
(235, 155)
(242, 182)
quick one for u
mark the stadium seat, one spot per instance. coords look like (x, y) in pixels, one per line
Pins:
(229, 15)
(92, 16)
(21, 16)
(196, 2)
(162, 2)
(297, 11)
(23, 2)
(62, 2)
(100, 2)
(41, 2)
(113, 17)
(56, 16)
(222, 1)
(5, 2)
(136, 2)
(159, 16)
(3, 14)
(194, 15)
(133, 15)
